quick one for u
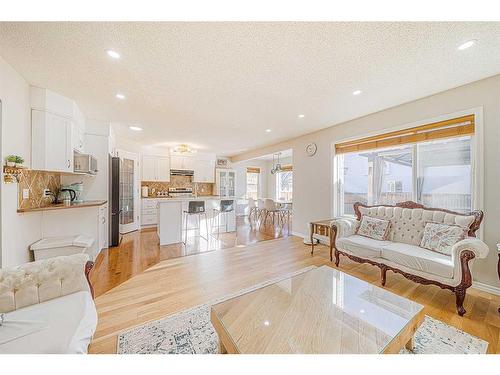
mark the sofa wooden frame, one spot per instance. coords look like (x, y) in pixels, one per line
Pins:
(465, 255)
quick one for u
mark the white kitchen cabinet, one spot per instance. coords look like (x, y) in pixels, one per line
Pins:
(225, 182)
(155, 168)
(149, 211)
(182, 162)
(204, 171)
(103, 227)
(51, 146)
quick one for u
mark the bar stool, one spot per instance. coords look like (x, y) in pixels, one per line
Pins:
(226, 206)
(195, 208)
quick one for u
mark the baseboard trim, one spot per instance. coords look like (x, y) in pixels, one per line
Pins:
(486, 288)
(302, 235)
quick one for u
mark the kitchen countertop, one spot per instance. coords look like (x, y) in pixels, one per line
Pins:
(183, 199)
(61, 206)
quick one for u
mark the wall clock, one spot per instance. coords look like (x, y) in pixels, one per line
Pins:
(311, 149)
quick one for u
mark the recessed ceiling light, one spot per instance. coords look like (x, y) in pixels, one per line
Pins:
(113, 54)
(268, 130)
(357, 92)
(120, 96)
(466, 45)
(135, 128)
(302, 116)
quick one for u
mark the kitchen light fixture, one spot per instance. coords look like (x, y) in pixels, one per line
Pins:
(357, 92)
(276, 167)
(113, 54)
(466, 45)
(302, 116)
(268, 130)
(135, 128)
(184, 149)
(120, 96)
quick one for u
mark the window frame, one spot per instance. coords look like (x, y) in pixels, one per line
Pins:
(477, 167)
(276, 182)
(246, 183)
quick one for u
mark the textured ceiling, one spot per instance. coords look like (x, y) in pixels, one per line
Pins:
(218, 86)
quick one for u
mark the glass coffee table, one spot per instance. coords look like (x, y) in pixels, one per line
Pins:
(319, 311)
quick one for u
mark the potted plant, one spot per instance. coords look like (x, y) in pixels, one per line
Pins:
(11, 160)
(19, 161)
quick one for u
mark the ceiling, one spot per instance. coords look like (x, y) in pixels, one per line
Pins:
(218, 86)
(283, 155)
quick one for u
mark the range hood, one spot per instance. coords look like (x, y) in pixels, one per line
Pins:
(181, 172)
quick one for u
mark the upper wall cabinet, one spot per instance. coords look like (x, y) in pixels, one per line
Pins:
(204, 171)
(57, 128)
(182, 162)
(155, 168)
(51, 146)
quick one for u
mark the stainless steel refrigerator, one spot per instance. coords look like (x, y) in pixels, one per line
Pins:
(114, 204)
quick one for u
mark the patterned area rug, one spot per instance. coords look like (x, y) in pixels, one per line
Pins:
(190, 332)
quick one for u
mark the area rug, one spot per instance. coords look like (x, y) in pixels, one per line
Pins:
(191, 332)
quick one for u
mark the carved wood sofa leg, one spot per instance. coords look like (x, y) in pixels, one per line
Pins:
(460, 297)
(383, 273)
(337, 258)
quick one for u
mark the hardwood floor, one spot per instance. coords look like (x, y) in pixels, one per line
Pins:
(179, 283)
(140, 250)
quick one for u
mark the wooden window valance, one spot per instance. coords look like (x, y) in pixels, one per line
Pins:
(287, 168)
(456, 127)
(253, 170)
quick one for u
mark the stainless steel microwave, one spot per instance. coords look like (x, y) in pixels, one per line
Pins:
(84, 163)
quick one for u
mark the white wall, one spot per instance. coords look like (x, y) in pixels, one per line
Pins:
(312, 178)
(18, 230)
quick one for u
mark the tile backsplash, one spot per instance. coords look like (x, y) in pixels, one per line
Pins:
(36, 182)
(203, 189)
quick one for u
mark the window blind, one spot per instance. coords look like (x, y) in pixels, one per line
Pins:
(253, 170)
(456, 127)
(287, 168)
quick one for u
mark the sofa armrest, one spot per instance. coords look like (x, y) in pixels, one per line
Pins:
(478, 247)
(345, 227)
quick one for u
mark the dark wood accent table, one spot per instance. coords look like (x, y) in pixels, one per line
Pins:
(324, 228)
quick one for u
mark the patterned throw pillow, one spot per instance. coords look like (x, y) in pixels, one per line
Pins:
(373, 228)
(441, 237)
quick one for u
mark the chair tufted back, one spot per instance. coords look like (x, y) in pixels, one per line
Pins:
(407, 224)
(39, 281)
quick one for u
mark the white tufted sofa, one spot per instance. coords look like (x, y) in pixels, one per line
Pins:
(401, 252)
(47, 306)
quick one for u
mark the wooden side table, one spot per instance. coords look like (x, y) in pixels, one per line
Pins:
(324, 228)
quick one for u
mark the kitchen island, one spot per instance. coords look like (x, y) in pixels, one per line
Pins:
(171, 224)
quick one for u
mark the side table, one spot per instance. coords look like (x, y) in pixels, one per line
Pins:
(322, 227)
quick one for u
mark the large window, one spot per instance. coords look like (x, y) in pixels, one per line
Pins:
(253, 175)
(284, 185)
(437, 172)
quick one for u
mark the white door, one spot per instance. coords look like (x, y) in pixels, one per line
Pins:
(149, 168)
(58, 143)
(163, 169)
(129, 191)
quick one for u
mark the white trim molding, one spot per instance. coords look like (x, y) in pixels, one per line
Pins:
(486, 288)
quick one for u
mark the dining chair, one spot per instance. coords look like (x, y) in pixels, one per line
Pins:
(252, 209)
(271, 209)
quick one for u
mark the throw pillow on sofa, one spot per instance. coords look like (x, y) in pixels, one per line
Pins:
(441, 237)
(373, 228)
